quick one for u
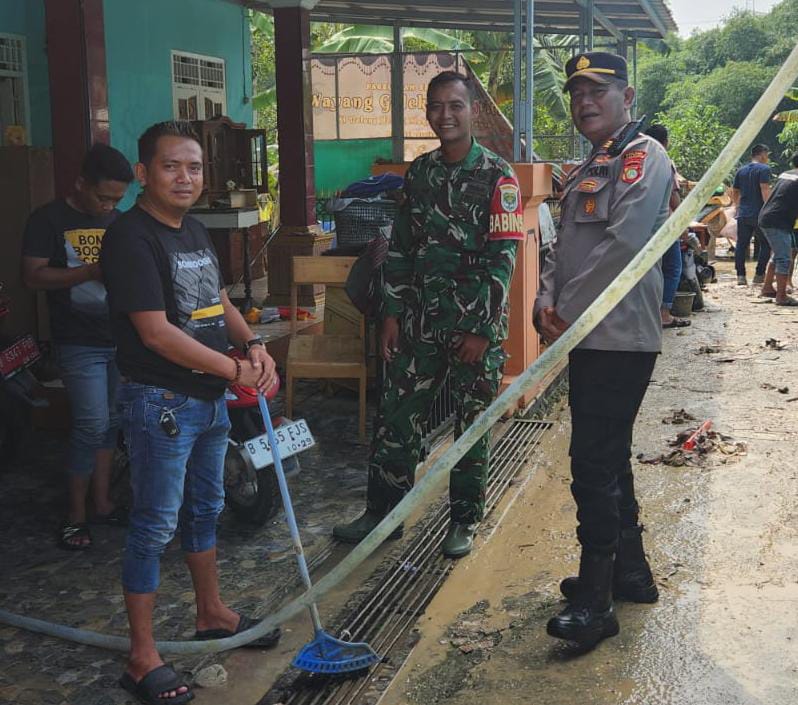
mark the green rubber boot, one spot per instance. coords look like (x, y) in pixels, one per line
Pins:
(357, 530)
(459, 540)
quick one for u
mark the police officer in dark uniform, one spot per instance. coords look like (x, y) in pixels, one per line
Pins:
(611, 206)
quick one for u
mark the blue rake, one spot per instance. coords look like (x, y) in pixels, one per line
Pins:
(325, 654)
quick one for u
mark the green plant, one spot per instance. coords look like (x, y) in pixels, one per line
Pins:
(696, 137)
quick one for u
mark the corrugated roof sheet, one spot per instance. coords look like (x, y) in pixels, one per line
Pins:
(640, 18)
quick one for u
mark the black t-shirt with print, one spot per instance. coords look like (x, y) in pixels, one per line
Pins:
(781, 209)
(68, 238)
(149, 266)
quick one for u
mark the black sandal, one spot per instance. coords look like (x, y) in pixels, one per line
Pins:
(162, 679)
(267, 641)
(70, 532)
(117, 517)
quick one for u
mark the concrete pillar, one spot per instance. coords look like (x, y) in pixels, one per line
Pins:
(78, 84)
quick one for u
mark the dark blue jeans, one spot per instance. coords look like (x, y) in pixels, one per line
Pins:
(746, 229)
(90, 376)
(671, 273)
(176, 481)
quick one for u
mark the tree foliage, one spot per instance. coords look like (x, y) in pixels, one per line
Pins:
(696, 137)
(732, 88)
(718, 74)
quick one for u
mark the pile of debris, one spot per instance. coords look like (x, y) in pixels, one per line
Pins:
(705, 443)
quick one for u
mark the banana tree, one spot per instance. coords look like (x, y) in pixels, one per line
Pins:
(373, 39)
(262, 26)
(788, 115)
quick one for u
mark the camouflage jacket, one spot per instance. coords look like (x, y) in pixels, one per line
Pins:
(453, 244)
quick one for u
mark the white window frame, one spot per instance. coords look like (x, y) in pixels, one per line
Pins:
(186, 90)
(22, 75)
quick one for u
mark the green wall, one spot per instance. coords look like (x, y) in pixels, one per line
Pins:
(340, 162)
(26, 18)
(139, 39)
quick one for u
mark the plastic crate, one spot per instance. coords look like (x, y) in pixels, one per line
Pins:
(361, 220)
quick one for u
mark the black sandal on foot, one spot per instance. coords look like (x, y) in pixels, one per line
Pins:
(162, 679)
(267, 641)
(117, 517)
(71, 532)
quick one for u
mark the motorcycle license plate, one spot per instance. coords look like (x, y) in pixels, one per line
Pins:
(22, 352)
(292, 438)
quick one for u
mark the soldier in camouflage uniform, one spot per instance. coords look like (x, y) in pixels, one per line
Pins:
(447, 279)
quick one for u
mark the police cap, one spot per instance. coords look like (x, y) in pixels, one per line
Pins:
(597, 66)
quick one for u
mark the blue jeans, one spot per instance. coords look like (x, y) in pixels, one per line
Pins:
(671, 273)
(746, 229)
(176, 481)
(91, 378)
(781, 243)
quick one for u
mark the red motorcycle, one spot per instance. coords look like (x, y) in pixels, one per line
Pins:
(18, 388)
(251, 489)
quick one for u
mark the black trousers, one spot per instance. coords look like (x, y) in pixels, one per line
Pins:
(606, 390)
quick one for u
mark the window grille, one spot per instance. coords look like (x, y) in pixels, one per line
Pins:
(198, 86)
(13, 85)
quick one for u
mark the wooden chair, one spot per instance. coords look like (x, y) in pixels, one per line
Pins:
(324, 356)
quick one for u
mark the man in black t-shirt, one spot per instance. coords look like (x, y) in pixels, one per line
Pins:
(60, 252)
(777, 219)
(172, 322)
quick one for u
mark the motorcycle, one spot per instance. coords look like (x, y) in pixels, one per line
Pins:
(18, 388)
(251, 489)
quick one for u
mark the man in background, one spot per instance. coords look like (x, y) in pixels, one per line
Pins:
(672, 259)
(750, 191)
(776, 219)
(60, 255)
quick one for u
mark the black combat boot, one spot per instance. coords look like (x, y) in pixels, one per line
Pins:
(632, 578)
(590, 616)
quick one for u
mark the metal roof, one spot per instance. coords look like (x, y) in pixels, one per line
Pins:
(633, 18)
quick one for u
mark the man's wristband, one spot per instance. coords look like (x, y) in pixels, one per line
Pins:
(257, 340)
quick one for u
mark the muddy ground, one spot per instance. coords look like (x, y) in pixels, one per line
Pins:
(722, 538)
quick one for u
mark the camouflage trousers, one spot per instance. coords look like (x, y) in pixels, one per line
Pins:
(413, 380)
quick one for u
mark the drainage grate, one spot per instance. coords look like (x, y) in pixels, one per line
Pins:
(390, 610)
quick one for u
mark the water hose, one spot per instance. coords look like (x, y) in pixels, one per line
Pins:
(524, 383)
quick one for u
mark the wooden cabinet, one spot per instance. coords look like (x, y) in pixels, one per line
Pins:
(231, 152)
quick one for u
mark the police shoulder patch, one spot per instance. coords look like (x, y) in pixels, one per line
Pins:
(509, 197)
(506, 211)
(632, 166)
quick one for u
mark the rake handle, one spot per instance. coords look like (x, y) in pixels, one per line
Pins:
(289, 509)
